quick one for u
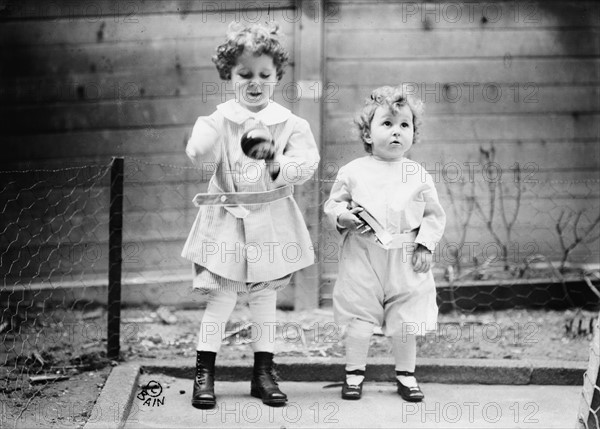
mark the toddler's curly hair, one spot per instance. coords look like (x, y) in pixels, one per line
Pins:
(257, 39)
(393, 97)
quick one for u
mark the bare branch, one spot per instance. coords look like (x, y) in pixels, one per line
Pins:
(560, 230)
(561, 227)
(589, 230)
(576, 226)
(462, 220)
(488, 224)
(519, 194)
(502, 208)
(591, 286)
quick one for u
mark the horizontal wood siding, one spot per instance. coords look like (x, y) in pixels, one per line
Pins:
(520, 77)
(81, 83)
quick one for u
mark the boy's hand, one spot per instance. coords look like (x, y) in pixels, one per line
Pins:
(422, 259)
(349, 220)
(273, 166)
(264, 150)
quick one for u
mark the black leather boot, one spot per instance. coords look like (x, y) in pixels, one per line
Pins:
(203, 395)
(263, 383)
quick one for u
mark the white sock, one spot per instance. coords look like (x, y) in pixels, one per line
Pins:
(354, 380)
(408, 381)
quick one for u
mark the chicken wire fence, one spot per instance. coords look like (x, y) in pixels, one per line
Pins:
(53, 260)
(589, 410)
(510, 243)
(515, 242)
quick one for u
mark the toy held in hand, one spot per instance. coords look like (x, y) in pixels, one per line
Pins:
(370, 224)
(258, 143)
(381, 234)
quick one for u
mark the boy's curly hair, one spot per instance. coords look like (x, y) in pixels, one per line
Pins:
(393, 98)
(258, 39)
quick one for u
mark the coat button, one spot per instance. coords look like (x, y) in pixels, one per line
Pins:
(223, 198)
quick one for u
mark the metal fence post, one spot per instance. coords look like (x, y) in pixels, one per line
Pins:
(115, 244)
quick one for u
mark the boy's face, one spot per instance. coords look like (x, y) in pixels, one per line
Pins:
(254, 79)
(392, 132)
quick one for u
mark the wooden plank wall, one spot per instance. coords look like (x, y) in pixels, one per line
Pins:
(82, 82)
(521, 77)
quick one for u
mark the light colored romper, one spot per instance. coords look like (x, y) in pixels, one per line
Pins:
(377, 283)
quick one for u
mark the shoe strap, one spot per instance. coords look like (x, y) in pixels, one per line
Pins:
(405, 373)
(356, 372)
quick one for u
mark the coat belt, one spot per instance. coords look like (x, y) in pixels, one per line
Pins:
(242, 198)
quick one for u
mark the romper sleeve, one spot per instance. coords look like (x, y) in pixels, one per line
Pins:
(339, 198)
(434, 217)
(203, 146)
(300, 157)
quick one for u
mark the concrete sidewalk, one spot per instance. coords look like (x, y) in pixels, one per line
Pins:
(475, 393)
(313, 404)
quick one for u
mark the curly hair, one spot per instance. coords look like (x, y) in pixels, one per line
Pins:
(256, 38)
(394, 98)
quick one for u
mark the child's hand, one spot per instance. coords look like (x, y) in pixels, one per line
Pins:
(264, 151)
(349, 220)
(273, 165)
(422, 259)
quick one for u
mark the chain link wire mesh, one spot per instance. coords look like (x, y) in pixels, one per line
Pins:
(53, 260)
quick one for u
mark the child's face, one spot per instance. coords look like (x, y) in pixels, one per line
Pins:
(254, 79)
(392, 132)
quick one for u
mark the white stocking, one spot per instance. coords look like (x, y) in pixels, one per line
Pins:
(218, 309)
(405, 357)
(263, 309)
(358, 337)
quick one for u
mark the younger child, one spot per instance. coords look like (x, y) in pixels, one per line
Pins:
(249, 235)
(385, 274)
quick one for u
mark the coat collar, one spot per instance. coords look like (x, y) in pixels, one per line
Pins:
(272, 114)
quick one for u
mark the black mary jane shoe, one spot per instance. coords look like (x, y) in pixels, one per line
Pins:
(410, 394)
(351, 391)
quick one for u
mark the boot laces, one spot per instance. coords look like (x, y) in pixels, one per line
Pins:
(201, 377)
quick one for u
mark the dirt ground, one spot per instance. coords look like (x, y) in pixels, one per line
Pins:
(508, 334)
(72, 344)
(60, 404)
